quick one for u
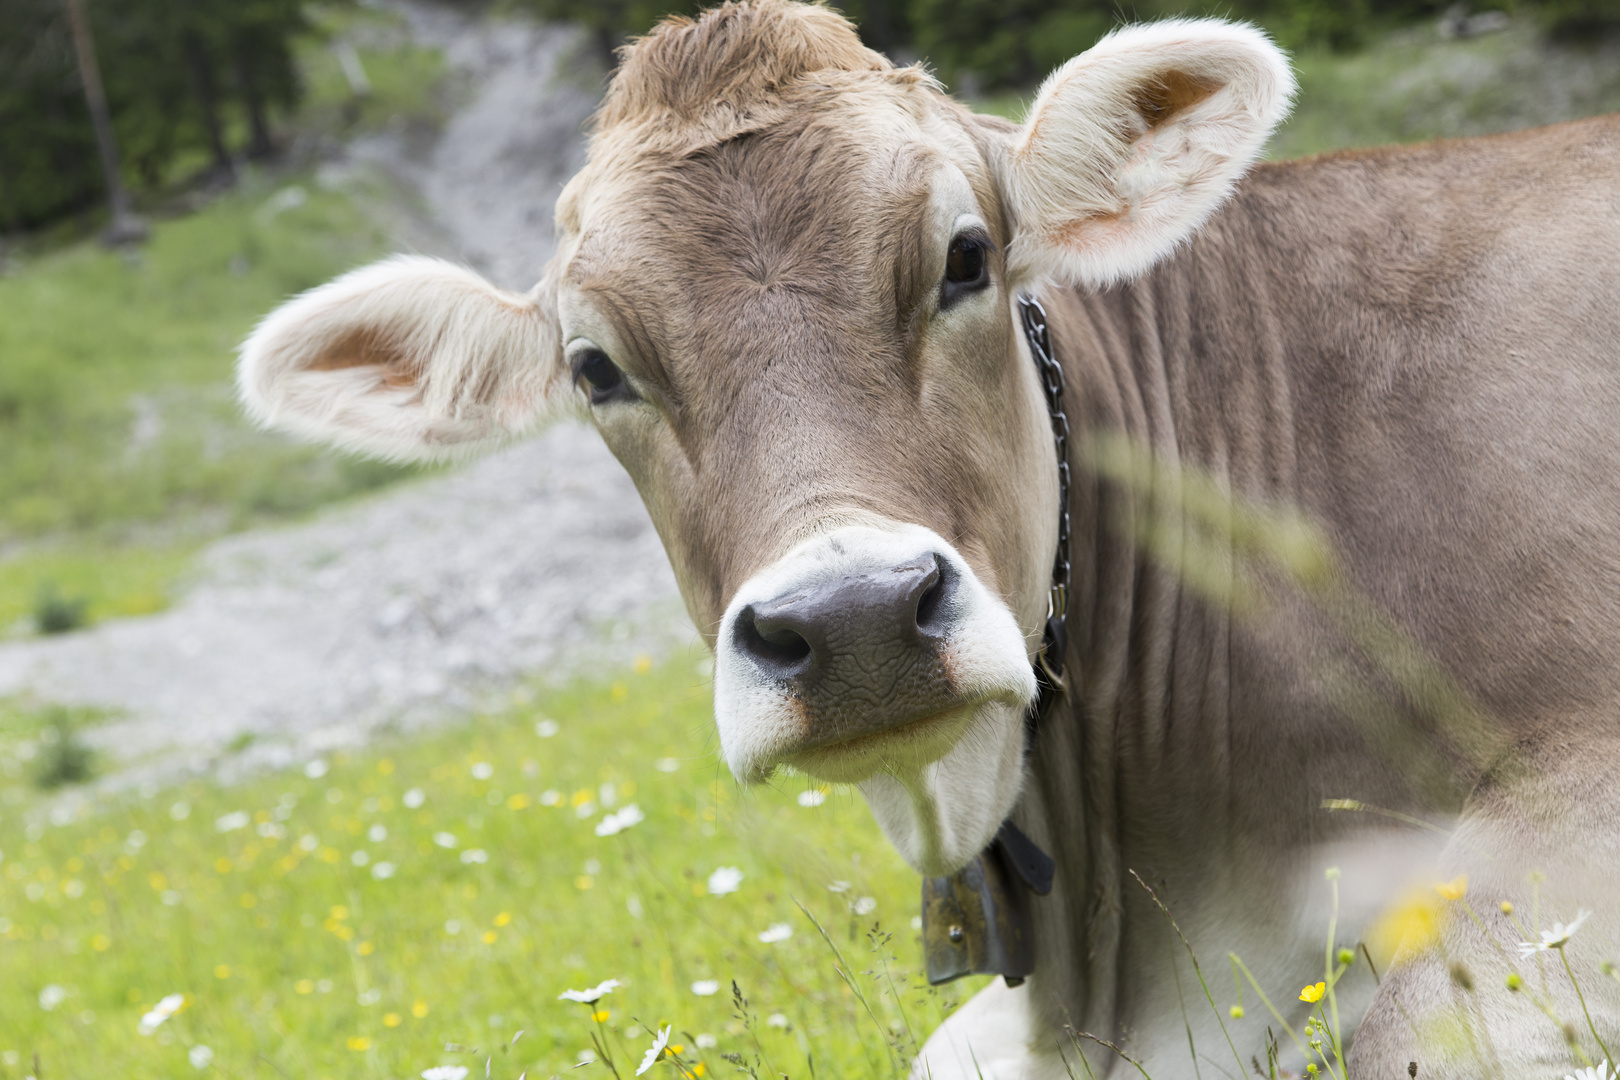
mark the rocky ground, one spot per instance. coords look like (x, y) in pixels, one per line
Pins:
(435, 598)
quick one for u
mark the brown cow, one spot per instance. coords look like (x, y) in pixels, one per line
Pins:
(786, 295)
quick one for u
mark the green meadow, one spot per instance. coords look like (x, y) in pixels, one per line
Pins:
(381, 912)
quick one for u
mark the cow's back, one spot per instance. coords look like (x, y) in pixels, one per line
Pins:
(1421, 346)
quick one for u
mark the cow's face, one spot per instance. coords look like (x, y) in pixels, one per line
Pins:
(784, 294)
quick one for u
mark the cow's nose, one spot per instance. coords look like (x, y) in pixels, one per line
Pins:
(874, 619)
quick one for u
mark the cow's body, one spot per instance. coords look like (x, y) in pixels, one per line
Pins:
(785, 293)
(1419, 347)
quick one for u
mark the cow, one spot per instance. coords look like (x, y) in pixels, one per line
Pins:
(804, 295)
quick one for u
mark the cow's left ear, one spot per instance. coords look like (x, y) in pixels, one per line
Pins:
(409, 359)
(1131, 145)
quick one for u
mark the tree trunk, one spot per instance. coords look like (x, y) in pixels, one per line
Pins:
(202, 80)
(125, 226)
(260, 144)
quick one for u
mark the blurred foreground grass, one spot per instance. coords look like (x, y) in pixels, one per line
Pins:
(357, 917)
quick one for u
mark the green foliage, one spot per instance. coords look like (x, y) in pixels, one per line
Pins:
(180, 75)
(116, 402)
(63, 757)
(301, 954)
(58, 614)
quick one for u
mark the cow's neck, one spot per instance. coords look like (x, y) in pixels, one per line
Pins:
(1142, 779)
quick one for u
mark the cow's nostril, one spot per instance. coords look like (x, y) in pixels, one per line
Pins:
(776, 647)
(939, 587)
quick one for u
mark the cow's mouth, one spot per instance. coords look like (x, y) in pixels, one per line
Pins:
(908, 745)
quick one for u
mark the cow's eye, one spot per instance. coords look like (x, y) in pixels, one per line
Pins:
(967, 267)
(601, 374)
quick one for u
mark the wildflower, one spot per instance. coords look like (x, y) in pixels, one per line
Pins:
(1236, 1012)
(617, 822)
(419, 1009)
(1507, 907)
(383, 871)
(444, 839)
(725, 880)
(315, 769)
(413, 800)
(482, 770)
(361, 857)
(161, 1012)
(1312, 994)
(1599, 1073)
(586, 997)
(863, 905)
(233, 821)
(601, 1016)
(654, 1051)
(200, 1056)
(838, 886)
(1409, 928)
(359, 1042)
(546, 728)
(474, 855)
(813, 797)
(775, 932)
(705, 1041)
(445, 1072)
(377, 833)
(1556, 938)
(706, 987)
(777, 1020)
(666, 764)
(1455, 889)
(52, 996)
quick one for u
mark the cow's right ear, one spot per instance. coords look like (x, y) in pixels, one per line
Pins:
(410, 359)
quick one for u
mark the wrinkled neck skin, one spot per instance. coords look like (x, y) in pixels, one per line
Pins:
(1194, 748)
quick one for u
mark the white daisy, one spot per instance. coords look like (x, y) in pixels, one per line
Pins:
(813, 797)
(615, 823)
(161, 1012)
(586, 997)
(52, 996)
(725, 880)
(706, 987)
(1556, 938)
(445, 1072)
(653, 1051)
(1599, 1073)
(200, 1056)
(775, 932)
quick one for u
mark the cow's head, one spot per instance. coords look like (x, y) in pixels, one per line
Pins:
(784, 294)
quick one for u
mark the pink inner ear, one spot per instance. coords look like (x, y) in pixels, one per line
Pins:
(367, 348)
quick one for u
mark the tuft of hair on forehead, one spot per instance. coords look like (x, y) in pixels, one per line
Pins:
(694, 82)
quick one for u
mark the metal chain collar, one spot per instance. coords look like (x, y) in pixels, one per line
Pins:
(1049, 661)
(979, 920)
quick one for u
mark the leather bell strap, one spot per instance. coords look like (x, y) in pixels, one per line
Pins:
(978, 921)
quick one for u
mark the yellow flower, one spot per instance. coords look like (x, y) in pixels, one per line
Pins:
(419, 1009)
(1454, 889)
(365, 948)
(392, 1020)
(1406, 930)
(304, 986)
(503, 918)
(490, 936)
(101, 943)
(1313, 993)
(386, 766)
(359, 1042)
(601, 1015)
(643, 664)
(222, 971)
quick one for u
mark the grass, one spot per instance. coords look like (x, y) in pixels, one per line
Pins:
(298, 960)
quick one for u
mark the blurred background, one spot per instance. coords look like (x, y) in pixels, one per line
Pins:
(198, 620)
